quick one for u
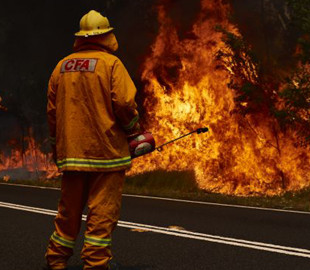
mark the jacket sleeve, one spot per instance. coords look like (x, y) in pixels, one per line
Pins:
(123, 97)
(51, 110)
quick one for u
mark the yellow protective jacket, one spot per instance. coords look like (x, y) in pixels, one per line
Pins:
(91, 106)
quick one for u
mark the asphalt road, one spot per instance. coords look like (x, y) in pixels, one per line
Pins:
(203, 236)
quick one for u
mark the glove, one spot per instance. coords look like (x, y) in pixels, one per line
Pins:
(134, 131)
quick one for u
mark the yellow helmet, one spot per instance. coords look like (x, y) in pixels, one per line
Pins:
(93, 24)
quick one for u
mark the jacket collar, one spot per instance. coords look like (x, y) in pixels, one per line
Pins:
(106, 43)
(89, 46)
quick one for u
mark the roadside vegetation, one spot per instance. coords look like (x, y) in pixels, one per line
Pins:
(181, 185)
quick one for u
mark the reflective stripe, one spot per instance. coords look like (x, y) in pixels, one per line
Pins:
(95, 241)
(93, 163)
(52, 140)
(62, 241)
(132, 123)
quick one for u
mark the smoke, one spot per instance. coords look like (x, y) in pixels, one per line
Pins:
(183, 13)
(266, 25)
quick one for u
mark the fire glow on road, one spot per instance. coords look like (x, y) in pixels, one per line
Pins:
(182, 233)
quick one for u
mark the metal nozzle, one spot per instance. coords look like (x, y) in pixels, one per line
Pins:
(198, 131)
(202, 130)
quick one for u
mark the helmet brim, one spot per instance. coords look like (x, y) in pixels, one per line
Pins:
(93, 32)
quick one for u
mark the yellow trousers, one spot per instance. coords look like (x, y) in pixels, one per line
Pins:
(102, 193)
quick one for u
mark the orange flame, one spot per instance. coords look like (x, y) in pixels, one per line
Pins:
(31, 160)
(186, 88)
(2, 108)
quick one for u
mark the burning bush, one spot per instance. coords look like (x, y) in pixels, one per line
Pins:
(189, 83)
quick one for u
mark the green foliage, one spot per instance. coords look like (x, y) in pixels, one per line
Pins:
(301, 14)
(296, 97)
(246, 81)
(304, 54)
(295, 111)
(296, 94)
(163, 183)
(249, 92)
(237, 44)
(301, 21)
(288, 101)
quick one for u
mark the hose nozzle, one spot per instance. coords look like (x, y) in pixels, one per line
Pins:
(202, 130)
(198, 131)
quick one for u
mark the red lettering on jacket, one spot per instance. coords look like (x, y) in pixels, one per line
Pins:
(79, 64)
(69, 65)
(85, 65)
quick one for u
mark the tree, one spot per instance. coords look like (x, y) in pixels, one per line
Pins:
(294, 111)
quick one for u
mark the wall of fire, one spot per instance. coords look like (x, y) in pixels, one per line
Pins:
(34, 35)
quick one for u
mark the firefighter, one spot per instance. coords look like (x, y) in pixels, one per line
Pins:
(91, 111)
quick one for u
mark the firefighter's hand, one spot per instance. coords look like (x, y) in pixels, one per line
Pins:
(134, 131)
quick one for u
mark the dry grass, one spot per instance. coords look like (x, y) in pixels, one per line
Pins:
(181, 185)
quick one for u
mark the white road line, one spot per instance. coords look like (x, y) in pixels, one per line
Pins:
(218, 204)
(150, 227)
(292, 251)
(183, 201)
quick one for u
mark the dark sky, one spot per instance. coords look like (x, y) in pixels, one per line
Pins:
(35, 35)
